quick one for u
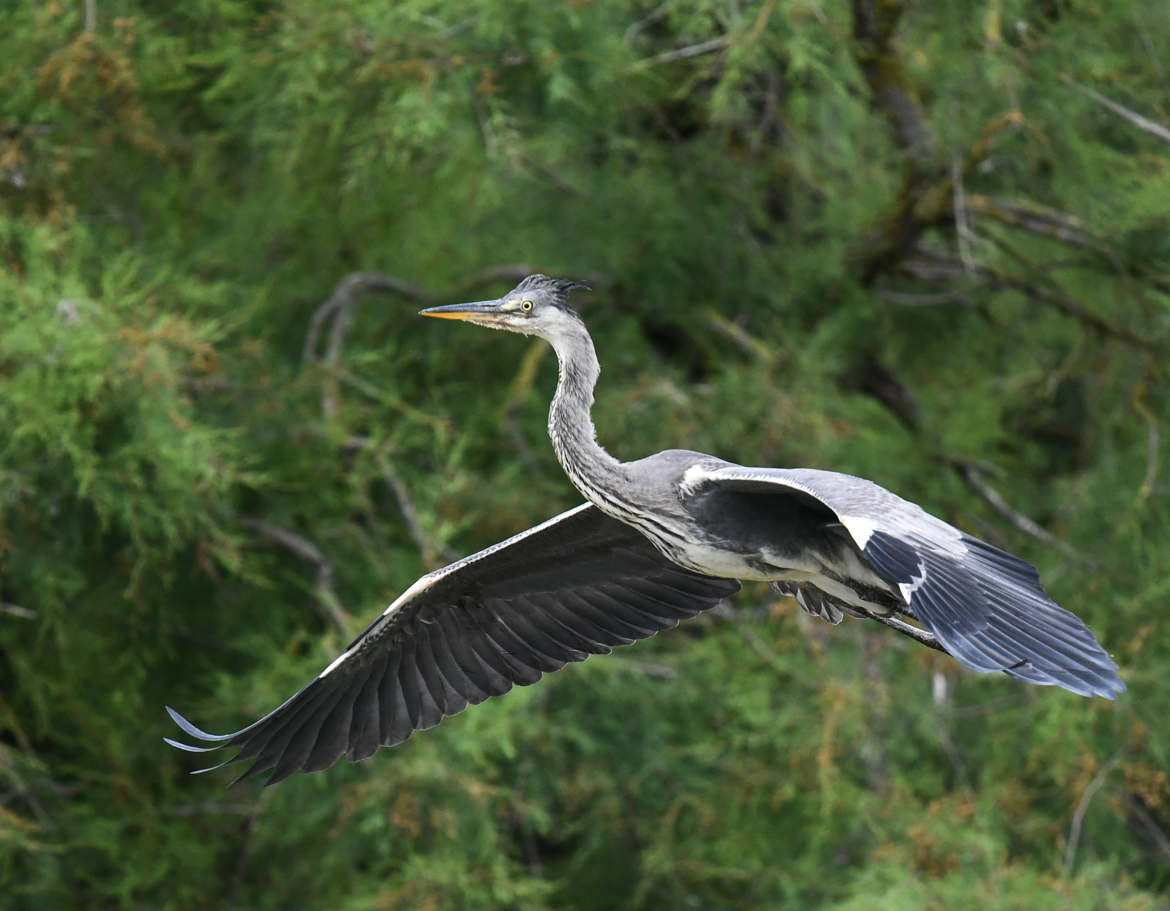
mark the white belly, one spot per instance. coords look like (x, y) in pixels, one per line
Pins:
(772, 567)
(726, 564)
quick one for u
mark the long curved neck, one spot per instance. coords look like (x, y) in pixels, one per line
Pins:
(593, 471)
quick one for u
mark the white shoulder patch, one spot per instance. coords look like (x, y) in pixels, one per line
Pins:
(860, 529)
(692, 478)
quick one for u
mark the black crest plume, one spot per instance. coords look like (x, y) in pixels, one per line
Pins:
(560, 288)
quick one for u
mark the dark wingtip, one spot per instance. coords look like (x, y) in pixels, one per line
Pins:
(1114, 688)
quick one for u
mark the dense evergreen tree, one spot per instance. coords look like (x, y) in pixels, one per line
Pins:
(925, 243)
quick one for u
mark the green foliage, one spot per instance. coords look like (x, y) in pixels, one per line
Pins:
(198, 508)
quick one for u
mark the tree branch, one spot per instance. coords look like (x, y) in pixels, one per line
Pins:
(929, 266)
(1074, 832)
(17, 610)
(428, 547)
(923, 199)
(328, 604)
(348, 293)
(340, 307)
(1142, 123)
(996, 501)
(684, 53)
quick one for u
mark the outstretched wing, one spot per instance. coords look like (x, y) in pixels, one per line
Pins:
(985, 606)
(573, 586)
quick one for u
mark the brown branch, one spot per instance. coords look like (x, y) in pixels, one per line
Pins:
(327, 603)
(1142, 123)
(1150, 826)
(1064, 228)
(975, 480)
(16, 610)
(869, 375)
(740, 337)
(1153, 444)
(660, 671)
(430, 549)
(923, 199)
(929, 196)
(924, 299)
(929, 266)
(1074, 832)
(1037, 219)
(340, 306)
(1060, 300)
(348, 293)
(684, 53)
(874, 24)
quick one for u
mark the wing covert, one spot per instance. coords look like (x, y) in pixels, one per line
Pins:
(986, 607)
(579, 584)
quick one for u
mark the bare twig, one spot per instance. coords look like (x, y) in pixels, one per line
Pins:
(684, 53)
(17, 611)
(659, 671)
(944, 715)
(25, 793)
(547, 174)
(430, 549)
(1153, 443)
(924, 199)
(328, 604)
(344, 298)
(342, 303)
(874, 25)
(1142, 123)
(1038, 219)
(90, 15)
(995, 499)
(1055, 295)
(451, 30)
(738, 336)
(1062, 227)
(348, 293)
(1150, 825)
(925, 299)
(963, 233)
(653, 16)
(1078, 820)
(340, 307)
(485, 126)
(869, 375)
(931, 267)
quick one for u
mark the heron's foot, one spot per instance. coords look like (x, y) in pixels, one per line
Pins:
(917, 633)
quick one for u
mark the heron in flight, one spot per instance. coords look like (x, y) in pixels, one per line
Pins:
(659, 540)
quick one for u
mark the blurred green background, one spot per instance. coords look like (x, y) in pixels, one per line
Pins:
(923, 242)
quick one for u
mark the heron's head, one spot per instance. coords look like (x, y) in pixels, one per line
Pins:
(539, 305)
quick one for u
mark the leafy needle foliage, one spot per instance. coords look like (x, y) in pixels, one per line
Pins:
(923, 243)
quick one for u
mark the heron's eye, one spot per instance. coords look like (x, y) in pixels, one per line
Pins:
(526, 306)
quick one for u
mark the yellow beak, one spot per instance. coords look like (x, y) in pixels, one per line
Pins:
(464, 311)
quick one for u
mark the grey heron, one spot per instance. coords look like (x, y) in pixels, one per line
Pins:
(659, 540)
